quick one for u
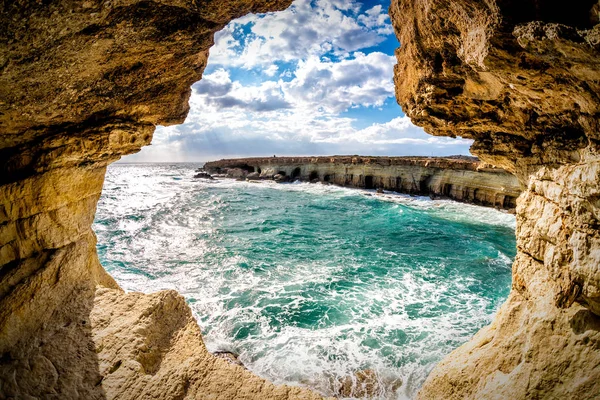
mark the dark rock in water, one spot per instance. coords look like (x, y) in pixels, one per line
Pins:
(280, 178)
(237, 173)
(253, 176)
(203, 175)
(380, 190)
(230, 357)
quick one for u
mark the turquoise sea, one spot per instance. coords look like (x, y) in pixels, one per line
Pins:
(310, 283)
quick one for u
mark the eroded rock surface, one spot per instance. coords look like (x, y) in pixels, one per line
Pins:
(459, 178)
(150, 346)
(523, 80)
(81, 84)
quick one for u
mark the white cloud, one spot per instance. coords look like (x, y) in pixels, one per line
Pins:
(300, 32)
(365, 80)
(399, 130)
(322, 87)
(271, 70)
(312, 69)
(377, 19)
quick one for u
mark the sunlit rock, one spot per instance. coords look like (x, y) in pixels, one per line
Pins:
(523, 80)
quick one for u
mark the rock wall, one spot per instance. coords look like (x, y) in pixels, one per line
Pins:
(460, 178)
(84, 83)
(81, 84)
(523, 80)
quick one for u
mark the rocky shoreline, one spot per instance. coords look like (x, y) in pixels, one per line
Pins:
(85, 83)
(460, 178)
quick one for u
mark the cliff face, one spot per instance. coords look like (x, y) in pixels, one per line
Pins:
(82, 84)
(85, 82)
(461, 179)
(523, 80)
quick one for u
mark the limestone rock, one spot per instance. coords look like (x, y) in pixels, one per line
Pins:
(459, 178)
(280, 178)
(523, 80)
(253, 176)
(203, 175)
(365, 384)
(228, 356)
(84, 83)
(150, 346)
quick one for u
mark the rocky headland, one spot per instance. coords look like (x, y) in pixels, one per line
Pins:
(84, 83)
(460, 178)
(523, 80)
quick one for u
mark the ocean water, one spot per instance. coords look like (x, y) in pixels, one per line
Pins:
(310, 284)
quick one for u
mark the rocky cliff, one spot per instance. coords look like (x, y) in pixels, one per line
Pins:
(83, 83)
(523, 80)
(459, 178)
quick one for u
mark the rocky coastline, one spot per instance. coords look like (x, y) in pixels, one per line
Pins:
(84, 83)
(460, 178)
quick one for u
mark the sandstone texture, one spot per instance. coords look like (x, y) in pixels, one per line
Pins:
(523, 80)
(459, 178)
(83, 83)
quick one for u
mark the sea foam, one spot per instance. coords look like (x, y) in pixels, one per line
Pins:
(311, 284)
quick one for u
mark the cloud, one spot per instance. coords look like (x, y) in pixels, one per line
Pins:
(365, 80)
(301, 31)
(218, 90)
(376, 18)
(332, 87)
(288, 134)
(303, 81)
(214, 89)
(271, 70)
(256, 105)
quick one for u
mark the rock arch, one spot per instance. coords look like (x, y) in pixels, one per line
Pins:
(474, 69)
(83, 84)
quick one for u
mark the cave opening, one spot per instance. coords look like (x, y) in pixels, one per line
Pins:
(424, 185)
(247, 168)
(447, 190)
(296, 173)
(157, 229)
(215, 83)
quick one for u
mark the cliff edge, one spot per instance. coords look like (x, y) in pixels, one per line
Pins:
(459, 178)
(82, 84)
(523, 80)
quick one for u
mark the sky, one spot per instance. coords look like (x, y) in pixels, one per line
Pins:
(315, 79)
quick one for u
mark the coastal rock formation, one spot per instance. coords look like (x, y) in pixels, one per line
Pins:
(82, 84)
(523, 80)
(460, 178)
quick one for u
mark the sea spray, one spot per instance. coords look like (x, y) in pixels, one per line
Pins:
(332, 288)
